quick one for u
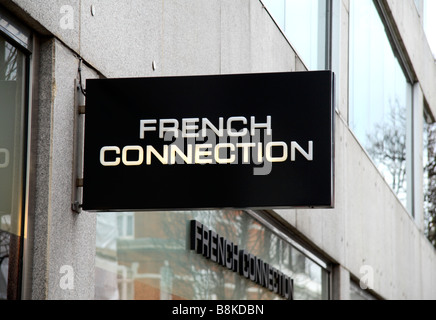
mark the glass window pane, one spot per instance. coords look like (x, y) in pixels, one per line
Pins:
(157, 264)
(305, 25)
(429, 157)
(430, 23)
(12, 77)
(380, 95)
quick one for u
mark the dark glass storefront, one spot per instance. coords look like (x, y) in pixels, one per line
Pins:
(146, 255)
(13, 63)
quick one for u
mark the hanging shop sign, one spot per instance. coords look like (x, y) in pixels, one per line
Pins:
(207, 142)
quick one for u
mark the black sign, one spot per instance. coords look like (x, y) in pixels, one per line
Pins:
(208, 142)
(227, 254)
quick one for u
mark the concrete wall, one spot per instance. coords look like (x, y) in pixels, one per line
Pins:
(61, 238)
(368, 226)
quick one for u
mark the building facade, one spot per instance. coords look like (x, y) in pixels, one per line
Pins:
(376, 243)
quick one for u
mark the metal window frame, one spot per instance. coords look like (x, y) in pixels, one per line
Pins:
(405, 64)
(16, 32)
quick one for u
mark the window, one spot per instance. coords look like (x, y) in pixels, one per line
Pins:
(306, 24)
(380, 97)
(157, 263)
(429, 165)
(430, 23)
(12, 146)
(125, 224)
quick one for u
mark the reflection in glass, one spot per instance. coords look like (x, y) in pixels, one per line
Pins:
(157, 263)
(429, 165)
(305, 24)
(12, 71)
(380, 96)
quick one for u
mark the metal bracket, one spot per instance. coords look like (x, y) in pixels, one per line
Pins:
(79, 139)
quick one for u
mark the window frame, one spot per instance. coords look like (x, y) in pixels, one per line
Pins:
(127, 222)
(399, 53)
